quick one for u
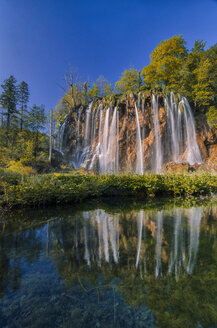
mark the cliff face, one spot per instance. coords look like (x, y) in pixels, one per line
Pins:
(119, 140)
(207, 141)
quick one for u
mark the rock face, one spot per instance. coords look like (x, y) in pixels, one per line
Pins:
(128, 136)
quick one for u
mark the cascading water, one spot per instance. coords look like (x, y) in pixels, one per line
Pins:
(173, 126)
(158, 155)
(193, 152)
(137, 138)
(139, 148)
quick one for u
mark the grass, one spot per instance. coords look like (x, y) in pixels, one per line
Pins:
(58, 188)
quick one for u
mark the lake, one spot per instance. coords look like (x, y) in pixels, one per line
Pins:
(109, 264)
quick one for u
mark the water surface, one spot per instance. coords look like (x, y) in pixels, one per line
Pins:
(109, 265)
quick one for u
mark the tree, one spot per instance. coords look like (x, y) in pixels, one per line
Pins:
(130, 81)
(36, 121)
(104, 86)
(8, 98)
(94, 92)
(212, 117)
(198, 80)
(163, 72)
(23, 98)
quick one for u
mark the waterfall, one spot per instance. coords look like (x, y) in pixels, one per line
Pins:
(87, 125)
(139, 147)
(173, 126)
(77, 161)
(98, 144)
(58, 137)
(104, 144)
(193, 152)
(117, 145)
(143, 118)
(112, 145)
(158, 156)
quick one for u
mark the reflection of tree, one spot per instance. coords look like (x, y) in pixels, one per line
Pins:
(14, 247)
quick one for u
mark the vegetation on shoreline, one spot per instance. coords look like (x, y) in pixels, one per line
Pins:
(72, 188)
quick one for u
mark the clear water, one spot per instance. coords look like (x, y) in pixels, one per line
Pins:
(124, 264)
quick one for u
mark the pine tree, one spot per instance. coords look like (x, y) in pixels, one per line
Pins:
(8, 98)
(23, 98)
(36, 121)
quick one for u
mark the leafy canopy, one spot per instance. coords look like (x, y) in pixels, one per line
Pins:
(130, 81)
(164, 68)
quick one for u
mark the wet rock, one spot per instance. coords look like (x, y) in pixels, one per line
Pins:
(173, 167)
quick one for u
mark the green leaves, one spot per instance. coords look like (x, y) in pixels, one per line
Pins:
(72, 188)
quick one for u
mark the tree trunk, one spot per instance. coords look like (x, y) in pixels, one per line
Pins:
(51, 135)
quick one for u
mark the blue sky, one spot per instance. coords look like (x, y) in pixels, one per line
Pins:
(40, 38)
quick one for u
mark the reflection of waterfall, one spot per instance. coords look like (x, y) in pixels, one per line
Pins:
(140, 225)
(195, 219)
(177, 255)
(157, 243)
(86, 253)
(159, 237)
(108, 237)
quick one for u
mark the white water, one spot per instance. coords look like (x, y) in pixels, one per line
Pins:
(173, 126)
(139, 147)
(99, 148)
(158, 155)
(193, 152)
(104, 144)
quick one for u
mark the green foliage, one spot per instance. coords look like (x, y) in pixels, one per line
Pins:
(72, 188)
(8, 98)
(94, 92)
(212, 117)
(36, 118)
(164, 68)
(130, 81)
(23, 98)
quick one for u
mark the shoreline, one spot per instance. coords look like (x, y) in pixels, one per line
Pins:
(57, 188)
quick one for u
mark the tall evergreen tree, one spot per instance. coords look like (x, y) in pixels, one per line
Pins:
(8, 98)
(36, 121)
(23, 98)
